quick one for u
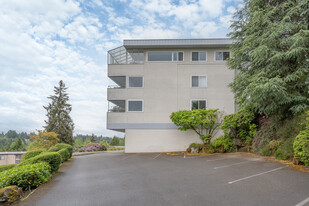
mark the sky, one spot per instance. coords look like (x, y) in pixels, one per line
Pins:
(43, 42)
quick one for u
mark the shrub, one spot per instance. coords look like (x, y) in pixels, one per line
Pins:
(60, 146)
(223, 144)
(26, 176)
(31, 154)
(239, 125)
(301, 146)
(6, 167)
(285, 151)
(91, 147)
(274, 144)
(266, 151)
(65, 155)
(52, 158)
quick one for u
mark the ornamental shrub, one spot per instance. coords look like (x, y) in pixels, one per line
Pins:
(239, 125)
(60, 146)
(52, 158)
(6, 167)
(301, 143)
(266, 151)
(31, 154)
(91, 147)
(65, 155)
(26, 176)
(223, 144)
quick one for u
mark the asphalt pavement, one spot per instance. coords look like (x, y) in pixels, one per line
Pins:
(116, 178)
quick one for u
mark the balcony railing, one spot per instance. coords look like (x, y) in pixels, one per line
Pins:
(116, 106)
(121, 55)
(115, 87)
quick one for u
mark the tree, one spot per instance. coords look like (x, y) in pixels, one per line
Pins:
(115, 141)
(204, 122)
(271, 54)
(44, 140)
(18, 145)
(11, 134)
(58, 115)
(92, 138)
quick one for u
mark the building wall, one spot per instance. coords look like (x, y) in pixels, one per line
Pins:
(167, 88)
(8, 159)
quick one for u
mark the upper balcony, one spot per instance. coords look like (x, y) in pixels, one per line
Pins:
(121, 55)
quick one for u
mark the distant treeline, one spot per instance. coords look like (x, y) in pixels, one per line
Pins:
(14, 141)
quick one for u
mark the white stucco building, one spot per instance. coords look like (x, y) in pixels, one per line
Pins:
(157, 77)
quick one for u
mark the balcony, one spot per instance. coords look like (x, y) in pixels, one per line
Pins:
(116, 106)
(121, 55)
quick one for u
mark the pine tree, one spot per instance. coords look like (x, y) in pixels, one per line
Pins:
(271, 54)
(58, 115)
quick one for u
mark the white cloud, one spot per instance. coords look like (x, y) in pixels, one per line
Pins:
(204, 29)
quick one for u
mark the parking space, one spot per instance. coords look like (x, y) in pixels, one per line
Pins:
(161, 179)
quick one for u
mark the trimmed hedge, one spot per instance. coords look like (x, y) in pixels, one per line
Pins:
(6, 167)
(52, 158)
(27, 176)
(31, 154)
(65, 155)
(60, 146)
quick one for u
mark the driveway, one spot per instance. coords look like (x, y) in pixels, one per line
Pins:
(115, 178)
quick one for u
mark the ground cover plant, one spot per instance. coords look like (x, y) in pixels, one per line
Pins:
(27, 176)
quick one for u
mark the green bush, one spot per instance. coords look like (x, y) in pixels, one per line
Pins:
(266, 151)
(31, 154)
(65, 155)
(27, 176)
(52, 158)
(223, 144)
(6, 167)
(285, 151)
(239, 125)
(60, 146)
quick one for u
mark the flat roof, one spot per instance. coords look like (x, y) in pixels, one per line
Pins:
(176, 43)
(11, 153)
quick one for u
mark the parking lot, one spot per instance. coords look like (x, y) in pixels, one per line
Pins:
(116, 178)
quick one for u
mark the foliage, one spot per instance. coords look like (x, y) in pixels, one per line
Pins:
(285, 151)
(239, 125)
(44, 140)
(115, 141)
(204, 122)
(58, 115)
(264, 135)
(266, 151)
(223, 144)
(31, 154)
(301, 143)
(65, 155)
(6, 167)
(92, 147)
(18, 145)
(52, 158)
(60, 146)
(271, 54)
(27, 176)
(274, 144)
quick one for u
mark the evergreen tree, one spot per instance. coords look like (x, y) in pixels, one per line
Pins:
(115, 141)
(18, 145)
(271, 54)
(92, 138)
(58, 115)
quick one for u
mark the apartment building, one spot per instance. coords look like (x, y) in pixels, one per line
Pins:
(155, 77)
(10, 157)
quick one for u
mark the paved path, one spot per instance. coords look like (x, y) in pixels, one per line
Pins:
(158, 179)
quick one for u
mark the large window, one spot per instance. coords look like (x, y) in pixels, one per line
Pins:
(135, 82)
(2, 157)
(198, 104)
(198, 56)
(135, 105)
(165, 56)
(198, 81)
(222, 56)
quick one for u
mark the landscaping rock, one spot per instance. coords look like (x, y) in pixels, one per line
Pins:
(10, 194)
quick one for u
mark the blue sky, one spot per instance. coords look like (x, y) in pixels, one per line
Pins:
(43, 42)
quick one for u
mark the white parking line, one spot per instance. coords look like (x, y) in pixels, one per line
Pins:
(127, 157)
(302, 203)
(218, 159)
(262, 173)
(156, 156)
(232, 164)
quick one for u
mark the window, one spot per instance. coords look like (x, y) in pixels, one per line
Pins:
(222, 56)
(198, 104)
(198, 81)
(2, 157)
(135, 106)
(135, 82)
(165, 56)
(198, 56)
